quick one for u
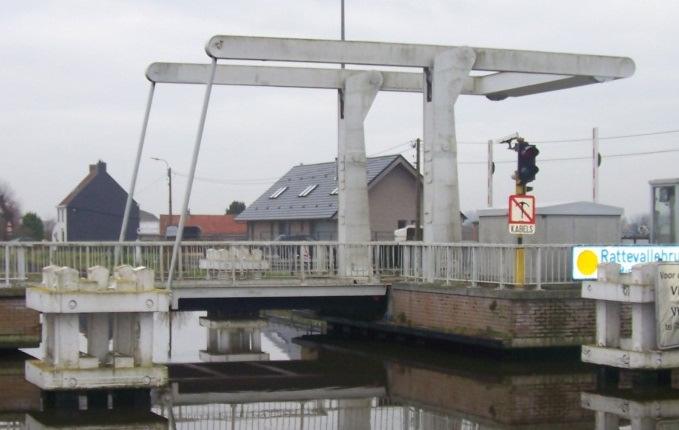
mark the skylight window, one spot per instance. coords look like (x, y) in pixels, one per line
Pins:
(278, 192)
(308, 190)
(334, 192)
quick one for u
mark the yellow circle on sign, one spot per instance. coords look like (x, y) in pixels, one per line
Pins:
(587, 262)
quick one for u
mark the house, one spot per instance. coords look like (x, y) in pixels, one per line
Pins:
(303, 202)
(204, 227)
(94, 210)
(149, 226)
(565, 223)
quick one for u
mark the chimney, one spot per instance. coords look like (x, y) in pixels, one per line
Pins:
(100, 167)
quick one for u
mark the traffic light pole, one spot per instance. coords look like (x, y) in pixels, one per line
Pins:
(520, 257)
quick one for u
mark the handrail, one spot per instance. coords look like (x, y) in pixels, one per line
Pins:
(469, 263)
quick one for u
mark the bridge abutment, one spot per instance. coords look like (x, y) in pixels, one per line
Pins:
(233, 340)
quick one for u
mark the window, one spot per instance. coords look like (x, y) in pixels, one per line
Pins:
(308, 190)
(278, 192)
(334, 192)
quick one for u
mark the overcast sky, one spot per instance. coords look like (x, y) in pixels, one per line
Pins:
(72, 91)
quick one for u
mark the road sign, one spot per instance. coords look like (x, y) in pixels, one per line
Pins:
(521, 214)
(667, 305)
(585, 259)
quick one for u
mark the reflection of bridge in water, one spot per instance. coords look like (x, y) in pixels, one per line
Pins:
(342, 384)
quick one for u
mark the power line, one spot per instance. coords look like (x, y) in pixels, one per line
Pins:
(258, 181)
(621, 136)
(410, 142)
(628, 154)
(558, 140)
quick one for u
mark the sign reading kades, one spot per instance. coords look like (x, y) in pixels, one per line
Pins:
(521, 214)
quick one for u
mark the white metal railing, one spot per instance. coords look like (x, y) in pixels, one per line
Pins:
(469, 262)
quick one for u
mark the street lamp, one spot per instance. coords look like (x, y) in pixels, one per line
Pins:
(169, 184)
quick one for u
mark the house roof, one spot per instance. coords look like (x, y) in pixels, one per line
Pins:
(95, 170)
(319, 203)
(208, 224)
(147, 216)
(571, 208)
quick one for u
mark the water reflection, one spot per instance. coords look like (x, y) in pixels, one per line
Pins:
(322, 382)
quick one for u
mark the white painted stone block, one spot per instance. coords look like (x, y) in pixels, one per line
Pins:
(100, 275)
(643, 274)
(608, 272)
(120, 361)
(124, 279)
(49, 276)
(66, 279)
(86, 361)
(144, 278)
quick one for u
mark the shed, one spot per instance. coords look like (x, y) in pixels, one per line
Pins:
(574, 222)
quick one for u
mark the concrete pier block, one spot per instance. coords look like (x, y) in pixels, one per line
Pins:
(124, 333)
(97, 333)
(643, 327)
(354, 414)
(143, 345)
(125, 301)
(608, 323)
(66, 332)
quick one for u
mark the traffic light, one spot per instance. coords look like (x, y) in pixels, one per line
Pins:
(526, 169)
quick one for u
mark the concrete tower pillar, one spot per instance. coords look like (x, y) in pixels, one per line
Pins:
(443, 84)
(353, 221)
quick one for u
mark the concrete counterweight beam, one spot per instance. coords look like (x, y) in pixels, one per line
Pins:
(352, 177)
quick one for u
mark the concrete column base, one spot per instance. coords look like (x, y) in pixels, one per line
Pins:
(225, 357)
(48, 377)
(627, 359)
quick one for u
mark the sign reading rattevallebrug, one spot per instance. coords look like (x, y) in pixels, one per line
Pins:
(667, 305)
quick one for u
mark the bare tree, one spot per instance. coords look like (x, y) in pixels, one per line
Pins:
(49, 226)
(9, 212)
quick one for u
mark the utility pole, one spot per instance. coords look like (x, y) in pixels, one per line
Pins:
(595, 164)
(418, 192)
(491, 170)
(169, 191)
(169, 185)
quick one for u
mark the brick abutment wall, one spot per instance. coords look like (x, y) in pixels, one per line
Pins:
(511, 399)
(19, 326)
(516, 319)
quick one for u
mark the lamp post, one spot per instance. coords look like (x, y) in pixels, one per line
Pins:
(169, 184)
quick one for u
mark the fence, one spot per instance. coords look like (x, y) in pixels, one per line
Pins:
(471, 263)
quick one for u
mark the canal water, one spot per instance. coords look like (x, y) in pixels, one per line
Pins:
(303, 379)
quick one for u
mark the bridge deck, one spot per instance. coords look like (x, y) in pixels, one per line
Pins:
(274, 289)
